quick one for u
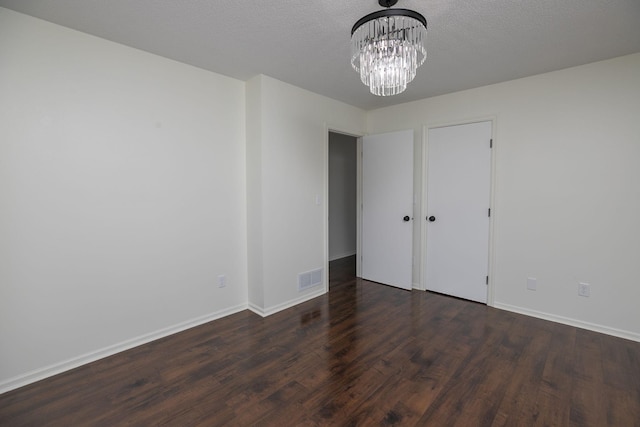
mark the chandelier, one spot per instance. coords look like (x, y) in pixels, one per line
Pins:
(387, 47)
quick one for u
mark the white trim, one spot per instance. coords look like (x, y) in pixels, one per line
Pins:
(633, 336)
(256, 309)
(464, 121)
(288, 304)
(74, 362)
(421, 285)
(359, 207)
(325, 207)
(491, 271)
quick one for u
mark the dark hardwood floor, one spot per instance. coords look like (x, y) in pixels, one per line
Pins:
(364, 354)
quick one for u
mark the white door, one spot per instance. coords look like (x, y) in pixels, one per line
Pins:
(458, 200)
(387, 208)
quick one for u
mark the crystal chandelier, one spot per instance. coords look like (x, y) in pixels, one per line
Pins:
(387, 47)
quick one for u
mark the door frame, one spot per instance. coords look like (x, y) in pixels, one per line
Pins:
(328, 127)
(424, 210)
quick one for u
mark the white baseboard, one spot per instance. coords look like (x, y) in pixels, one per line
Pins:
(571, 322)
(344, 255)
(57, 368)
(264, 312)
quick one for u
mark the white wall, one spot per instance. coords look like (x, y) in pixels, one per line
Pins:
(122, 197)
(567, 188)
(293, 136)
(342, 195)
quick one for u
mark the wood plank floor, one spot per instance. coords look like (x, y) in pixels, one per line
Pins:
(364, 354)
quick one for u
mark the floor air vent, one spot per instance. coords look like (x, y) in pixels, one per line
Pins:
(309, 279)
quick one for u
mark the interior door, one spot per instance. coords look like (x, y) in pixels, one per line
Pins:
(387, 208)
(458, 200)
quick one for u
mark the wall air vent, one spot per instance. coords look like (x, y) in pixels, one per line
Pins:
(309, 279)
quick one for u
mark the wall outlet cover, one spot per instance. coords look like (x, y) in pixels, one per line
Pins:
(584, 289)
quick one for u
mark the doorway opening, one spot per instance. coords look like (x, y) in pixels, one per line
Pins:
(342, 204)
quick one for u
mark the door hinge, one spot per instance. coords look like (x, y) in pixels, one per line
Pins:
(489, 211)
(487, 281)
(491, 143)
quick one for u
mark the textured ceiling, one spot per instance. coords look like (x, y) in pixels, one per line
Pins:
(471, 43)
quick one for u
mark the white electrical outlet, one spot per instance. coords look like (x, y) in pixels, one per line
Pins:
(532, 283)
(222, 281)
(584, 289)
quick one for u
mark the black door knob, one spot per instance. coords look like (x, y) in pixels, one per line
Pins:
(431, 218)
(406, 218)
